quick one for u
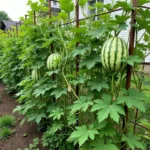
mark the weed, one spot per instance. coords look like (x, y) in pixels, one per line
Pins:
(7, 121)
(5, 133)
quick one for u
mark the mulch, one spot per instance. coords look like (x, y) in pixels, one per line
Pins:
(17, 140)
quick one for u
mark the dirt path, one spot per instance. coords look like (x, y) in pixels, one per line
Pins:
(17, 140)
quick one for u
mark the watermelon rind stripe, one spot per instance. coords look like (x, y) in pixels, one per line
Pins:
(112, 52)
(104, 53)
(115, 52)
(108, 64)
(52, 61)
(120, 55)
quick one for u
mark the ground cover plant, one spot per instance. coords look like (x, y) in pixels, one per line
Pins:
(71, 84)
(6, 124)
(7, 121)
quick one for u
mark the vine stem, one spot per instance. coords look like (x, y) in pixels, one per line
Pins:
(65, 65)
(135, 121)
(70, 86)
(112, 86)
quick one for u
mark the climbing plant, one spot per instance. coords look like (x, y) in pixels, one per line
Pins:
(39, 62)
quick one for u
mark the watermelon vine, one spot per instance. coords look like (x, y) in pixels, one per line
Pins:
(93, 119)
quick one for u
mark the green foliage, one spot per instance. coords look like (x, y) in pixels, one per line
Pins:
(5, 133)
(56, 142)
(7, 121)
(107, 108)
(82, 2)
(129, 99)
(34, 145)
(66, 5)
(100, 144)
(82, 134)
(81, 105)
(132, 141)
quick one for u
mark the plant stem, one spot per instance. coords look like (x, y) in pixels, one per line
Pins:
(112, 86)
(136, 115)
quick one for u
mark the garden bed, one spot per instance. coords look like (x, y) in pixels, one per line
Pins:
(24, 134)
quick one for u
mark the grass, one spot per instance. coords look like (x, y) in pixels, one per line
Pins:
(7, 121)
(5, 133)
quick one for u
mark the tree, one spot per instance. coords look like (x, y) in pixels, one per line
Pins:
(3, 16)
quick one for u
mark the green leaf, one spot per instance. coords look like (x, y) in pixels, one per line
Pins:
(124, 5)
(132, 141)
(120, 19)
(108, 6)
(59, 92)
(43, 88)
(37, 116)
(38, 65)
(55, 127)
(56, 113)
(141, 2)
(82, 134)
(72, 119)
(79, 51)
(66, 5)
(82, 2)
(80, 80)
(82, 104)
(99, 144)
(91, 60)
(108, 130)
(132, 98)
(40, 117)
(106, 107)
(131, 60)
(97, 33)
(98, 85)
(79, 30)
(122, 26)
(49, 73)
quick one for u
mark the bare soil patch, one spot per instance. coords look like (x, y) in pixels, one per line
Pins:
(17, 140)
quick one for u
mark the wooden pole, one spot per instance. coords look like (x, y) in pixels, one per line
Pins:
(77, 59)
(51, 45)
(34, 17)
(16, 30)
(129, 68)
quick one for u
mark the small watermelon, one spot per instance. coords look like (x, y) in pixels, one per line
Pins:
(53, 61)
(113, 50)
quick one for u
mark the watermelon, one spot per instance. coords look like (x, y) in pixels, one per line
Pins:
(53, 61)
(113, 50)
(35, 74)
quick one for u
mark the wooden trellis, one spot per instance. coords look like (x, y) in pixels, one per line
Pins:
(77, 22)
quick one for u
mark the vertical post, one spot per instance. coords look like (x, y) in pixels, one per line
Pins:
(50, 10)
(26, 19)
(51, 46)
(129, 68)
(20, 23)
(131, 42)
(10, 32)
(34, 17)
(16, 29)
(77, 59)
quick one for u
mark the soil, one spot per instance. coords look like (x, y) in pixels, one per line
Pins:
(17, 140)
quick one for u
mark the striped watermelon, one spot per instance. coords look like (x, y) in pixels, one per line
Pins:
(53, 61)
(35, 74)
(113, 50)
